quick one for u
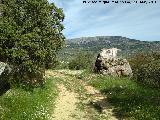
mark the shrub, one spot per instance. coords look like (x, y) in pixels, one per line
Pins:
(150, 73)
(81, 61)
(146, 68)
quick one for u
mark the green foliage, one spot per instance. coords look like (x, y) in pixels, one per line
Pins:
(18, 104)
(83, 60)
(146, 68)
(61, 65)
(30, 36)
(130, 99)
(129, 47)
(150, 73)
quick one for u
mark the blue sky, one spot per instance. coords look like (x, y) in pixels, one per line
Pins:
(137, 21)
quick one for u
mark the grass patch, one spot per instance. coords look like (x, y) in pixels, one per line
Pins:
(131, 100)
(18, 104)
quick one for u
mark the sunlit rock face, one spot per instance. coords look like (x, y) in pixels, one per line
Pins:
(109, 53)
(108, 63)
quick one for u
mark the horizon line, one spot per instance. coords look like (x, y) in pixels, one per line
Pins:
(112, 36)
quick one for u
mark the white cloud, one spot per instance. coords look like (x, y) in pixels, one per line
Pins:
(135, 21)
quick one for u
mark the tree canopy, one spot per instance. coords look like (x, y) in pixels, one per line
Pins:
(30, 36)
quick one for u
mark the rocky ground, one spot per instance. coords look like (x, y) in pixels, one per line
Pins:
(77, 100)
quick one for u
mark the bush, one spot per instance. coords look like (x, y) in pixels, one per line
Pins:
(150, 73)
(81, 61)
(146, 68)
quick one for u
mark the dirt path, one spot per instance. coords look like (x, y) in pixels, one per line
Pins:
(98, 100)
(66, 108)
(74, 92)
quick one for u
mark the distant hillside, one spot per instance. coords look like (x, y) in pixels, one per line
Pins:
(95, 44)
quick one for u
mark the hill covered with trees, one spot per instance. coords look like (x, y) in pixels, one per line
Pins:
(128, 46)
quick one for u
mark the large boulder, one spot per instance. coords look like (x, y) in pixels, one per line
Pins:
(4, 76)
(108, 63)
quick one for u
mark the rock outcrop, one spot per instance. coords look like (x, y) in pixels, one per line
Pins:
(108, 63)
(4, 76)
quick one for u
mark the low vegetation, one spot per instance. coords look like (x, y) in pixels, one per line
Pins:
(136, 98)
(30, 38)
(146, 69)
(18, 104)
(83, 60)
(128, 46)
(130, 99)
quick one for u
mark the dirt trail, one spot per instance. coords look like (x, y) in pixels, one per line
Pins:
(66, 104)
(99, 100)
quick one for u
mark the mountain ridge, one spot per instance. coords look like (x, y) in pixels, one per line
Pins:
(128, 46)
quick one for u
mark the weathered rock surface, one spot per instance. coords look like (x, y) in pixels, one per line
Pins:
(4, 76)
(108, 63)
